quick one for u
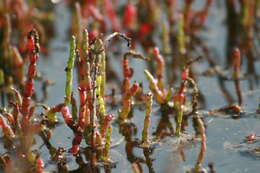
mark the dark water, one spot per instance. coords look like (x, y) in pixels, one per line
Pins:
(221, 132)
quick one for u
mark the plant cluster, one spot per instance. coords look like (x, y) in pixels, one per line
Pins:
(17, 18)
(94, 116)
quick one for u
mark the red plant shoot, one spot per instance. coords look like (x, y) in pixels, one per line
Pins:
(129, 15)
(30, 43)
(185, 74)
(76, 143)
(236, 61)
(159, 68)
(39, 165)
(7, 130)
(107, 120)
(112, 15)
(127, 101)
(145, 29)
(33, 50)
(179, 101)
(128, 71)
(67, 116)
(236, 64)
(179, 98)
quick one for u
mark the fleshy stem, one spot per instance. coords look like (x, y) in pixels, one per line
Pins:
(159, 68)
(201, 130)
(147, 120)
(33, 49)
(85, 46)
(52, 111)
(39, 165)
(101, 78)
(6, 128)
(74, 109)
(236, 65)
(67, 116)
(179, 108)
(101, 56)
(101, 104)
(77, 24)
(127, 101)
(89, 93)
(105, 125)
(69, 71)
(93, 114)
(84, 83)
(106, 132)
(128, 71)
(83, 89)
(153, 85)
(106, 152)
(195, 95)
(68, 89)
(129, 17)
(2, 78)
(179, 101)
(28, 128)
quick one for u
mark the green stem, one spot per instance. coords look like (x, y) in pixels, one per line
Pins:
(148, 104)
(69, 71)
(108, 144)
(179, 109)
(85, 46)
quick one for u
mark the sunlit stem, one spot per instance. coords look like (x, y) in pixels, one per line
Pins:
(159, 96)
(147, 120)
(179, 108)
(127, 101)
(69, 71)
(100, 54)
(85, 46)
(106, 156)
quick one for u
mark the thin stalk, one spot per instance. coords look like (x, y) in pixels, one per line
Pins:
(236, 65)
(118, 34)
(179, 108)
(195, 95)
(179, 102)
(201, 155)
